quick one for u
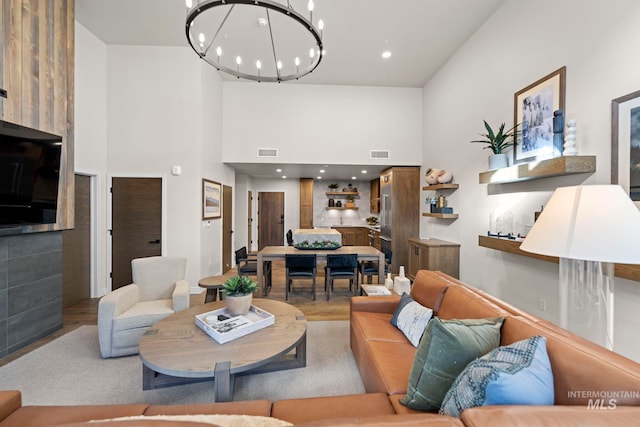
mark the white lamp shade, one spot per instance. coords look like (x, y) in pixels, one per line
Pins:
(589, 222)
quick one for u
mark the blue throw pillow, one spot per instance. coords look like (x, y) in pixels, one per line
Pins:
(411, 318)
(517, 374)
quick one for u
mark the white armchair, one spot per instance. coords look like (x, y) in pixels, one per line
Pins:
(158, 290)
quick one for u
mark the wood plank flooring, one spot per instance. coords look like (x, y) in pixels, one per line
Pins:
(86, 312)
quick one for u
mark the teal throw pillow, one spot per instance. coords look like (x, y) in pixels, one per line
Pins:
(445, 350)
(411, 318)
(517, 374)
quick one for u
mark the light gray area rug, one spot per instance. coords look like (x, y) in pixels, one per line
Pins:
(70, 371)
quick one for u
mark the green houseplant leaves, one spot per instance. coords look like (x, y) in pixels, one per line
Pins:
(498, 142)
(239, 285)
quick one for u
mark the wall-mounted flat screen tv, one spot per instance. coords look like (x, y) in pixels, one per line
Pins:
(29, 175)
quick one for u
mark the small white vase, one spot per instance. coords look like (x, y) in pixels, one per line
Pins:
(498, 161)
(445, 177)
(431, 176)
(239, 305)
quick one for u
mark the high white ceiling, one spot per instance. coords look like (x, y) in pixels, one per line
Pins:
(421, 34)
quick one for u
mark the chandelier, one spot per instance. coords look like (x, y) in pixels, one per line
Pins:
(260, 40)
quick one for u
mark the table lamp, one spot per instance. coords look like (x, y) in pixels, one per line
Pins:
(589, 228)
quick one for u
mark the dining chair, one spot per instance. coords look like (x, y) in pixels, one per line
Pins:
(300, 267)
(371, 268)
(341, 267)
(246, 266)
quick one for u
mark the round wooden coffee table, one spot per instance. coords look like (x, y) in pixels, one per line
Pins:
(175, 351)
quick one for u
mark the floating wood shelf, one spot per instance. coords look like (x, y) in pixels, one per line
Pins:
(341, 208)
(343, 193)
(626, 271)
(565, 165)
(441, 215)
(436, 187)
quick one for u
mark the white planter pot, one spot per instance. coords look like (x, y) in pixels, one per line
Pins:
(239, 305)
(498, 161)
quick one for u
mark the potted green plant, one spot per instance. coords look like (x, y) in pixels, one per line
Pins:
(333, 186)
(239, 294)
(498, 143)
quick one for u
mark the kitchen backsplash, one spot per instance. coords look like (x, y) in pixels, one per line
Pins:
(323, 217)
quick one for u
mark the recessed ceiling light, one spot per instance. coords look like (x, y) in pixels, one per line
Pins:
(319, 177)
(278, 170)
(364, 171)
(321, 170)
(386, 54)
(353, 177)
(284, 176)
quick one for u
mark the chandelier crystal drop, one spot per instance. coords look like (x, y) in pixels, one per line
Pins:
(271, 35)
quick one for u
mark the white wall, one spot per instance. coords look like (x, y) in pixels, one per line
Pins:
(291, 190)
(321, 123)
(240, 232)
(211, 166)
(140, 111)
(90, 135)
(522, 42)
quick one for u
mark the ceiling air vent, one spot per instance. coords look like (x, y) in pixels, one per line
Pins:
(379, 154)
(267, 152)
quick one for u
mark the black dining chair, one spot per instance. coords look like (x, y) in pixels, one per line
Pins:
(245, 265)
(341, 267)
(370, 268)
(299, 267)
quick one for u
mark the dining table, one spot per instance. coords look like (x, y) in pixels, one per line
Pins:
(275, 253)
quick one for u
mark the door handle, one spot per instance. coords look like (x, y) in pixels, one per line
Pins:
(154, 242)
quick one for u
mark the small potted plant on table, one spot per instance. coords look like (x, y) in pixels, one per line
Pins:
(239, 294)
(498, 143)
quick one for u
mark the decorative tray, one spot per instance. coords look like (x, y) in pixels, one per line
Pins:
(326, 244)
(374, 290)
(223, 327)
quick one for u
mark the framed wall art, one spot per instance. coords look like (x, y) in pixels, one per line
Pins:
(625, 144)
(533, 110)
(211, 199)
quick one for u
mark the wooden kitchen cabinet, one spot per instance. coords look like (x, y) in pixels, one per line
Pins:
(433, 254)
(374, 239)
(306, 202)
(354, 236)
(374, 196)
(400, 211)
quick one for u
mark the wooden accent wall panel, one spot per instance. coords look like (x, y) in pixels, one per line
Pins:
(37, 70)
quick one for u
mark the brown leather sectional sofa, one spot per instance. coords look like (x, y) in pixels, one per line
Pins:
(384, 357)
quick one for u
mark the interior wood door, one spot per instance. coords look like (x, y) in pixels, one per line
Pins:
(270, 219)
(136, 232)
(227, 230)
(249, 220)
(76, 248)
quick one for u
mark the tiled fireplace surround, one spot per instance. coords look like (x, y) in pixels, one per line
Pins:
(30, 288)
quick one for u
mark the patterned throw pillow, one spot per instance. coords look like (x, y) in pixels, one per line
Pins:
(446, 348)
(411, 318)
(517, 374)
